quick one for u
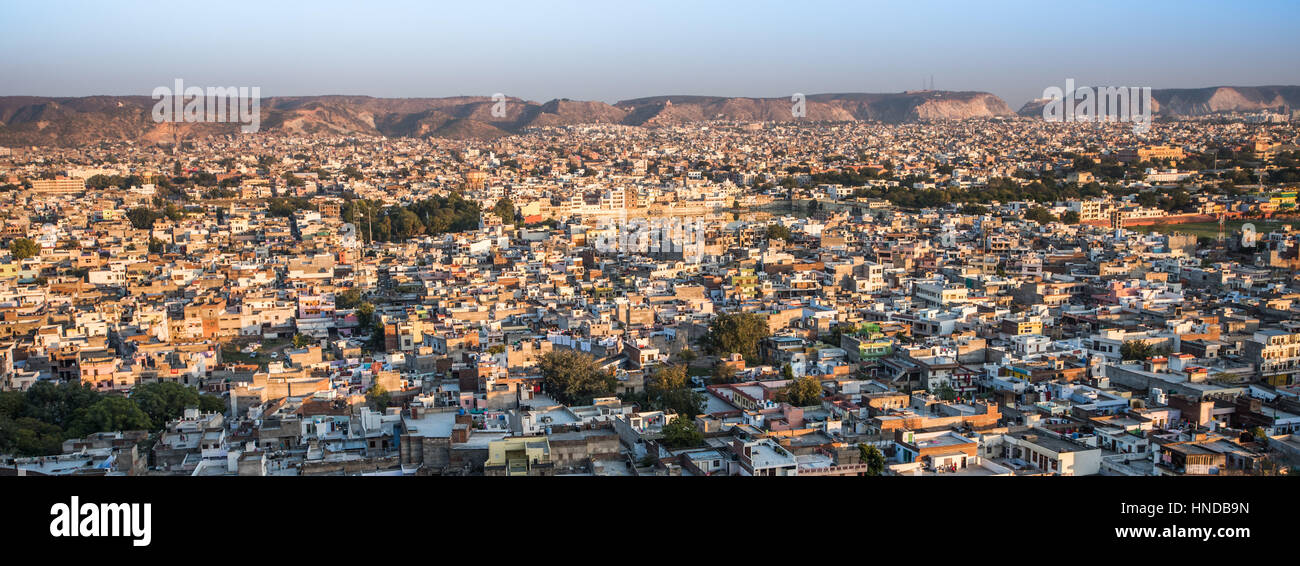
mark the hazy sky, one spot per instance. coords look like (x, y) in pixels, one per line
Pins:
(619, 49)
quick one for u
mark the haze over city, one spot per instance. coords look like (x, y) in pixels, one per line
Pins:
(611, 52)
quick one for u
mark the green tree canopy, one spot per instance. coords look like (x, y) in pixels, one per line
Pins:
(736, 333)
(573, 377)
(802, 392)
(349, 299)
(110, 413)
(505, 209)
(682, 433)
(722, 373)
(1040, 215)
(23, 248)
(142, 218)
(669, 389)
(1136, 350)
(378, 398)
(873, 458)
(778, 232)
(164, 401)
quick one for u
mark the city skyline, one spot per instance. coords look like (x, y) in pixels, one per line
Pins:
(431, 242)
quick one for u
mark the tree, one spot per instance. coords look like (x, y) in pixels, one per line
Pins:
(405, 224)
(687, 355)
(110, 413)
(1259, 435)
(156, 246)
(300, 340)
(23, 248)
(505, 209)
(365, 313)
(142, 218)
(378, 398)
(778, 232)
(378, 340)
(164, 401)
(669, 389)
(1136, 350)
(682, 433)
(349, 299)
(736, 333)
(802, 392)
(285, 207)
(1040, 215)
(1070, 217)
(873, 458)
(573, 377)
(723, 373)
(945, 392)
(211, 404)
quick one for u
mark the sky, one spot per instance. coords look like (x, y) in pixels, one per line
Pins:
(620, 49)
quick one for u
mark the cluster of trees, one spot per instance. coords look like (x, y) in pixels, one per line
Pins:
(1040, 215)
(669, 389)
(143, 218)
(37, 421)
(293, 180)
(285, 207)
(169, 188)
(378, 398)
(220, 193)
(779, 232)
(681, 432)
(437, 215)
(106, 181)
(505, 210)
(801, 392)
(736, 333)
(999, 189)
(1137, 350)
(574, 378)
(722, 373)
(23, 248)
(848, 178)
(873, 458)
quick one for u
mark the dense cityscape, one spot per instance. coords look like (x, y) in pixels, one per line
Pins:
(995, 297)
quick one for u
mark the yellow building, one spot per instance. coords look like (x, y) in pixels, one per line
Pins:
(521, 456)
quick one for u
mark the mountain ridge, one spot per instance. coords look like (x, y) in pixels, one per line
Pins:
(65, 121)
(1204, 101)
(37, 120)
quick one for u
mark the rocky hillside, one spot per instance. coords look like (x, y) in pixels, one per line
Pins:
(26, 120)
(1189, 102)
